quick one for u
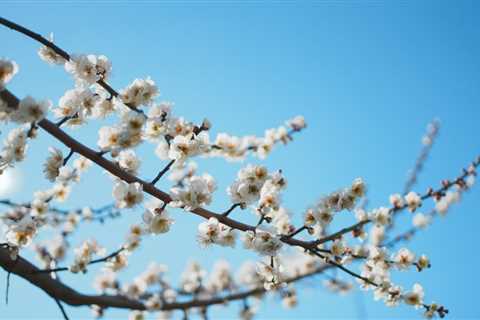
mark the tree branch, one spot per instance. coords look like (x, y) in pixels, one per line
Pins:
(104, 259)
(163, 171)
(56, 289)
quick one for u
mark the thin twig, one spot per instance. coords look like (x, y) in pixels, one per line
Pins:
(70, 154)
(422, 157)
(35, 36)
(339, 266)
(297, 231)
(429, 194)
(235, 205)
(62, 309)
(7, 289)
(104, 259)
(162, 172)
(65, 119)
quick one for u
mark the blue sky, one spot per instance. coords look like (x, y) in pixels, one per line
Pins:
(368, 76)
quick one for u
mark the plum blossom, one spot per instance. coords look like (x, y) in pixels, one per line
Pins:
(413, 201)
(139, 92)
(127, 195)
(421, 220)
(196, 192)
(48, 55)
(14, 149)
(211, 231)
(84, 254)
(262, 241)
(414, 297)
(381, 216)
(183, 147)
(29, 110)
(8, 69)
(271, 273)
(129, 161)
(21, 227)
(88, 69)
(52, 165)
(220, 278)
(298, 123)
(404, 259)
(156, 218)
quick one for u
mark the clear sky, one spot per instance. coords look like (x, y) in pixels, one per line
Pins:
(368, 76)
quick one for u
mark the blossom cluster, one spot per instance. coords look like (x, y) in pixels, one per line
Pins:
(235, 148)
(255, 185)
(211, 231)
(322, 213)
(195, 192)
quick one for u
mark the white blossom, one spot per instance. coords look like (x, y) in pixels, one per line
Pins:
(220, 278)
(211, 231)
(271, 273)
(48, 55)
(397, 200)
(53, 164)
(414, 297)
(140, 92)
(156, 218)
(29, 110)
(88, 69)
(381, 216)
(8, 69)
(20, 229)
(196, 192)
(84, 254)
(404, 259)
(413, 201)
(127, 195)
(128, 161)
(262, 241)
(105, 281)
(421, 220)
(298, 123)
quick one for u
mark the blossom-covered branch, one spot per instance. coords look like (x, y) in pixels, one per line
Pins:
(427, 141)
(178, 141)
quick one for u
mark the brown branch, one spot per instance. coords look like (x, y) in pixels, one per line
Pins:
(56, 289)
(35, 36)
(446, 184)
(75, 146)
(58, 133)
(240, 295)
(67, 140)
(113, 168)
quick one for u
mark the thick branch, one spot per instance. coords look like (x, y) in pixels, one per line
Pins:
(57, 290)
(60, 291)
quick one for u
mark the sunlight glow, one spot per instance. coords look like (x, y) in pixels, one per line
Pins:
(10, 182)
